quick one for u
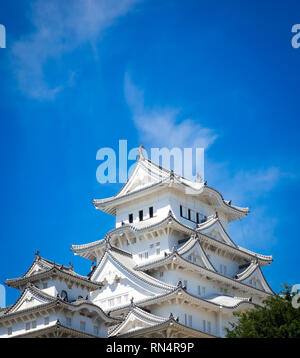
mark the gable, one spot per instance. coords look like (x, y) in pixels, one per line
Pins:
(257, 280)
(217, 232)
(140, 178)
(28, 300)
(137, 319)
(115, 276)
(197, 256)
(36, 268)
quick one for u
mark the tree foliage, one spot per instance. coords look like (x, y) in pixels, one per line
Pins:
(276, 319)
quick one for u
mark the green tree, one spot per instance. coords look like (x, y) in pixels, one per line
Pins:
(276, 319)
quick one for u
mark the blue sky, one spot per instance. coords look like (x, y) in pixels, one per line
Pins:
(77, 76)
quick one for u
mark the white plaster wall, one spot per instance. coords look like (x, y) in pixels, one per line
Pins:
(56, 286)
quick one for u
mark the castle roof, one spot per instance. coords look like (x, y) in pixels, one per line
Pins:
(139, 323)
(148, 177)
(94, 249)
(43, 269)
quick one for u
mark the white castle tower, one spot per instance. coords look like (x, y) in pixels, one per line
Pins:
(168, 269)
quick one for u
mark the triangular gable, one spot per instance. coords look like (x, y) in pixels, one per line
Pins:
(36, 268)
(143, 176)
(196, 255)
(29, 299)
(137, 319)
(217, 231)
(110, 272)
(257, 280)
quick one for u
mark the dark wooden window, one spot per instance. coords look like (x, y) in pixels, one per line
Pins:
(141, 215)
(130, 218)
(189, 214)
(198, 221)
(181, 210)
(151, 211)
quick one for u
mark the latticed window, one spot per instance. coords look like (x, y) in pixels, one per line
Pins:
(69, 321)
(82, 325)
(96, 330)
(9, 331)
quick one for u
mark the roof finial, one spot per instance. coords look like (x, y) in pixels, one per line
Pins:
(71, 266)
(172, 175)
(37, 253)
(132, 303)
(107, 242)
(140, 150)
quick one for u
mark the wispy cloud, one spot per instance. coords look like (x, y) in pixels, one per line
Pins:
(161, 126)
(59, 28)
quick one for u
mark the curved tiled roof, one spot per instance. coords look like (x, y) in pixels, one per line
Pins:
(55, 270)
(168, 178)
(170, 219)
(226, 302)
(127, 263)
(50, 301)
(177, 253)
(196, 267)
(157, 323)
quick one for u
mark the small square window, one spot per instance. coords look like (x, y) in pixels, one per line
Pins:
(27, 326)
(9, 331)
(130, 218)
(33, 324)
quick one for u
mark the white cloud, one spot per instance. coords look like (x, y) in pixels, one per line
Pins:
(59, 28)
(161, 127)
